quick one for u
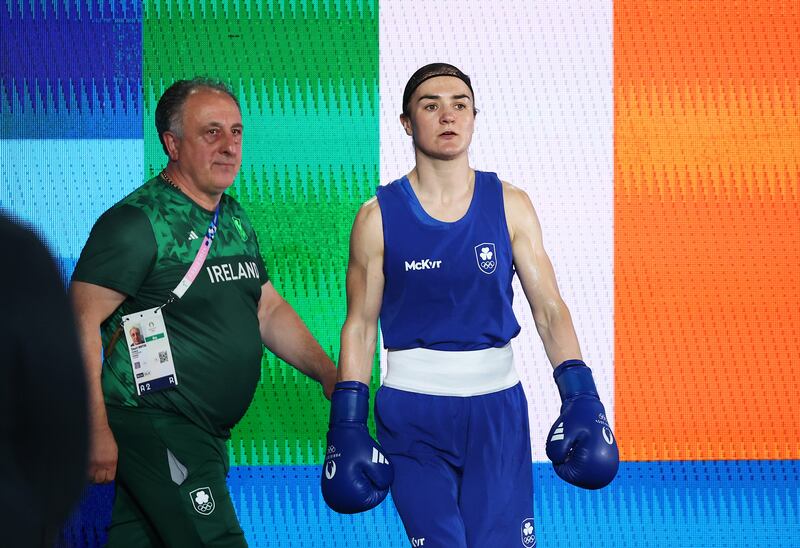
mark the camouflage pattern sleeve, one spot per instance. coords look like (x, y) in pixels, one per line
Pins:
(120, 251)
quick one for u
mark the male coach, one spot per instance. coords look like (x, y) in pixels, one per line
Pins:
(179, 258)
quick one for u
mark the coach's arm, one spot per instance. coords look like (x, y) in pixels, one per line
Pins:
(285, 334)
(92, 305)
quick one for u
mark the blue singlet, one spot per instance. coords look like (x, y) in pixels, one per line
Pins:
(447, 285)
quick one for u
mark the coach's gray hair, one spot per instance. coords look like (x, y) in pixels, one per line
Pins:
(169, 111)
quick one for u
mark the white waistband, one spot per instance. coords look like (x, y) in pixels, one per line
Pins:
(444, 373)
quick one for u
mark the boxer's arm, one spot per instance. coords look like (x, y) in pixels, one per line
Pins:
(535, 271)
(580, 443)
(352, 480)
(364, 295)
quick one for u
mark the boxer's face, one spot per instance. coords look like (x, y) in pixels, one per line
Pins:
(441, 117)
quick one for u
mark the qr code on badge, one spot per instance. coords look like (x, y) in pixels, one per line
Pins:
(162, 356)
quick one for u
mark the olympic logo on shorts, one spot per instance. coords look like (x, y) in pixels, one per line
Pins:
(528, 534)
(486, 256)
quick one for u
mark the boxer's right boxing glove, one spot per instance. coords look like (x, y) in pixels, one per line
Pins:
(356, 474)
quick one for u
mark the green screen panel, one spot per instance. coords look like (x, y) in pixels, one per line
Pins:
(306, 75)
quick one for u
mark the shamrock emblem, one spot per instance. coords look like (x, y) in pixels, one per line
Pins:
(485, 256)
(202, 500)
(528, 536)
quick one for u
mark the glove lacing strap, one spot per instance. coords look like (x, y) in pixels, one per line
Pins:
(574, 378)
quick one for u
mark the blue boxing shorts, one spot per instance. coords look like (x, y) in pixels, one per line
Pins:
(458, 437)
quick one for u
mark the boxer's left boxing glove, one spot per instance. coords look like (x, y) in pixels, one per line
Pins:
(356, 474)
(580, 443)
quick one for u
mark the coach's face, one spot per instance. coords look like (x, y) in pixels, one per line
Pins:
(209, 152)
(441, 117)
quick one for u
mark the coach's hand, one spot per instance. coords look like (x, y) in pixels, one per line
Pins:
(329, 382)
(102, 454)
(356, 474)
(581, 443)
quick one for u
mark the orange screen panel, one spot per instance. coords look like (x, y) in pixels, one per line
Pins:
(707, 229)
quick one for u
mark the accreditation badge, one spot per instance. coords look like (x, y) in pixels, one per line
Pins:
(151, 355)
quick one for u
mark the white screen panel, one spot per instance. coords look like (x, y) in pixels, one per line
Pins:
(542, 74)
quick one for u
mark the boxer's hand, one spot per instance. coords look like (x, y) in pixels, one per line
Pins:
(356, 474)
(581, 443)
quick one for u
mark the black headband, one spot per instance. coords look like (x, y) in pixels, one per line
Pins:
(432, 71)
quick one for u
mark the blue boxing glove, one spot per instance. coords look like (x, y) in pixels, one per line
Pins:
(580, 443)
(356, 474)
